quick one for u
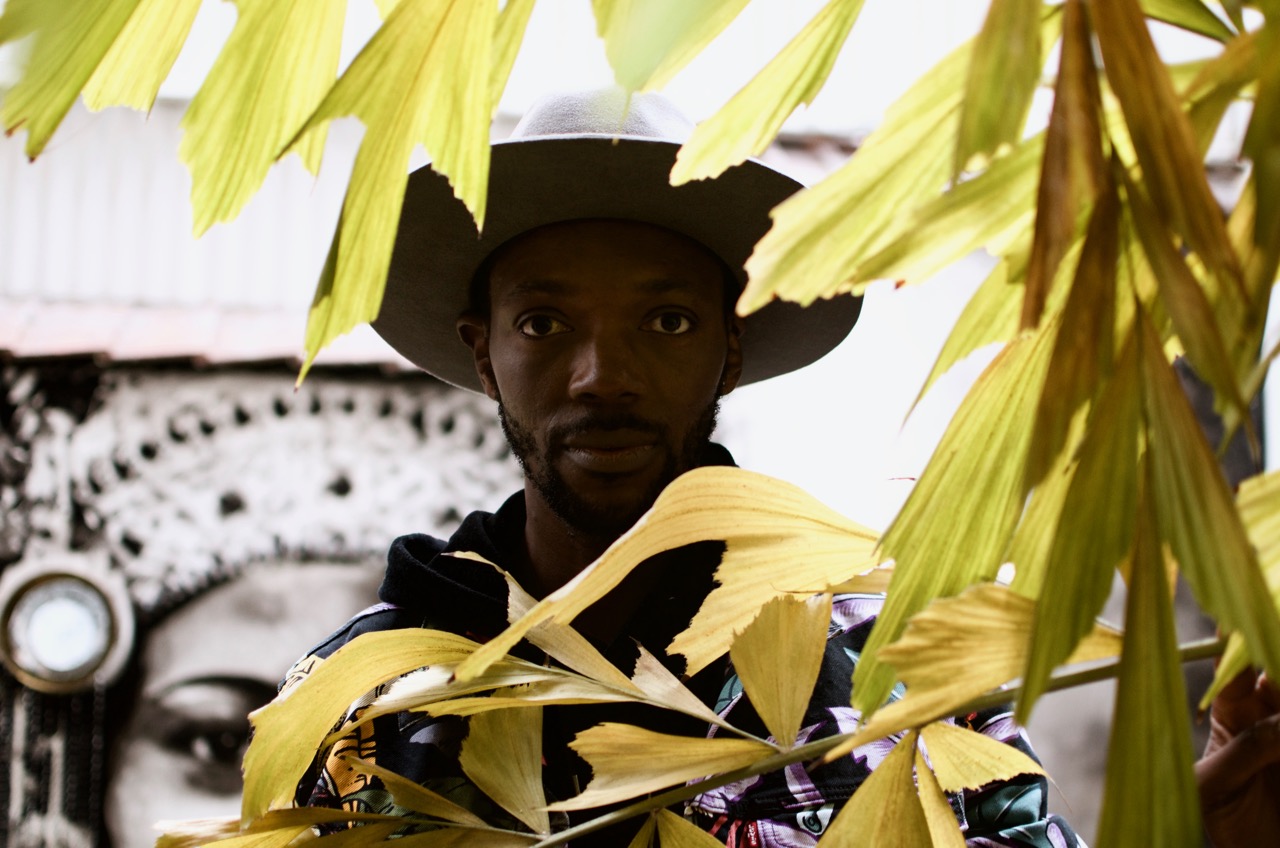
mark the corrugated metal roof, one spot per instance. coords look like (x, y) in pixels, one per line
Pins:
(207, 336)
(103, 217)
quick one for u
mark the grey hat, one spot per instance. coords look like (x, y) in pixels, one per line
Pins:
(582, 156)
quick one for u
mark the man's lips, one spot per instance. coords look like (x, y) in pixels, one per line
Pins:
(609, 440)
(611, 451)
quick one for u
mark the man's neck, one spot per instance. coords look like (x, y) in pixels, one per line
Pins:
(555, 553)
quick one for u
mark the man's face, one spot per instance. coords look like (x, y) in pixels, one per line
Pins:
(607, 348)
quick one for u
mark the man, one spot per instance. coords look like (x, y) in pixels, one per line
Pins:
(597, 310)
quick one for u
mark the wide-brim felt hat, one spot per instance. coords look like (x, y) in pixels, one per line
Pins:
(592, 155)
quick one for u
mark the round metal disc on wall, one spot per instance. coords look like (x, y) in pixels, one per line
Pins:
(63, 626)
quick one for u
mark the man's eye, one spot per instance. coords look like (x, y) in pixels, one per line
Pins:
(671, 323)
(538, 326)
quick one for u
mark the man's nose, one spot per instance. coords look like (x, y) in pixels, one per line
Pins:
(605, 368)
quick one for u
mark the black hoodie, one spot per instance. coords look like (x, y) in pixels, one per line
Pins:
(422, 588)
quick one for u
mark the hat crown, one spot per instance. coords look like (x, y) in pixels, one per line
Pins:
(606, 111)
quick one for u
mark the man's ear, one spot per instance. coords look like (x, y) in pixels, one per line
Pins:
(474, 332)
(733, 356)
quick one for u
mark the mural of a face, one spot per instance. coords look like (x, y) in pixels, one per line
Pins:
(204, 668)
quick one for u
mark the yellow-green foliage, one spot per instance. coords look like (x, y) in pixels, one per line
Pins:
(1075, 456)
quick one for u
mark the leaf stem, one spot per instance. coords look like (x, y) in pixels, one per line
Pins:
(1187, 652)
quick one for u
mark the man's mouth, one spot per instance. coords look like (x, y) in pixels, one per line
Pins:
(611, 451)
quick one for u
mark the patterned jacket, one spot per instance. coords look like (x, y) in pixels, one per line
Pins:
(787, 809)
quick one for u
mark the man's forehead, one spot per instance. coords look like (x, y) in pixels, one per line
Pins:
(625, 240)
(515, 287)
(568, 258)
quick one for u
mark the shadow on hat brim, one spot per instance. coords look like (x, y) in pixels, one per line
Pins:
(538, 181)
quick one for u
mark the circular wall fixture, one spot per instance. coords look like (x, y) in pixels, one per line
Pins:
(63, 626)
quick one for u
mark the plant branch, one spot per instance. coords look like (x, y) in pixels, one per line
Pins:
(1187, 652)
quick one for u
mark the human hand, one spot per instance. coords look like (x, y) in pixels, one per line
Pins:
(1239, 774)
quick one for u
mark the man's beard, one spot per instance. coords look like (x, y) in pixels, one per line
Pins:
(593, 520)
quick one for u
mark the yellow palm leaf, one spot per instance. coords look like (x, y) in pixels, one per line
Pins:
(1191, 15)
(536, 694)
(502, 755)
(1033, 540)
(464, 837)
(975, 479)
(966, 759)
(819, 235)
(358, 837)
(288, 731)
(675, 832)
(944, 830)
(267, 839)
(823, 237)
(649, 41)
(435, 691)
(435, 686)
(443, 51)
(20, 18)
(1073, 166)
(763, 520)
(777, 657)
(415, 797)
(663, 688)
(820, 547)
(749, 121)
(644, 836)
(1197, 516)
(273, 71)
(874, 581)
(1083, 345)
(71, 37)
(1161, 134)
(986, 630)
(1216, 83)
(1150, 796)
(651, 684)
(991, 210)
(1261, 260)
(142, 55)
(272, 825)
(1187, 304)
(561, 642)
(1094, 532)
(1262, 140)
(1003, 74)
(629, 761)
(512, 22)
(957, 649)
(1259, 505)
(885, 812)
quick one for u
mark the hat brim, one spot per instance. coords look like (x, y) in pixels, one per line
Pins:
(540, 181)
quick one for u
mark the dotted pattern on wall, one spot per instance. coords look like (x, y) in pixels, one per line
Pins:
(180, 478)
